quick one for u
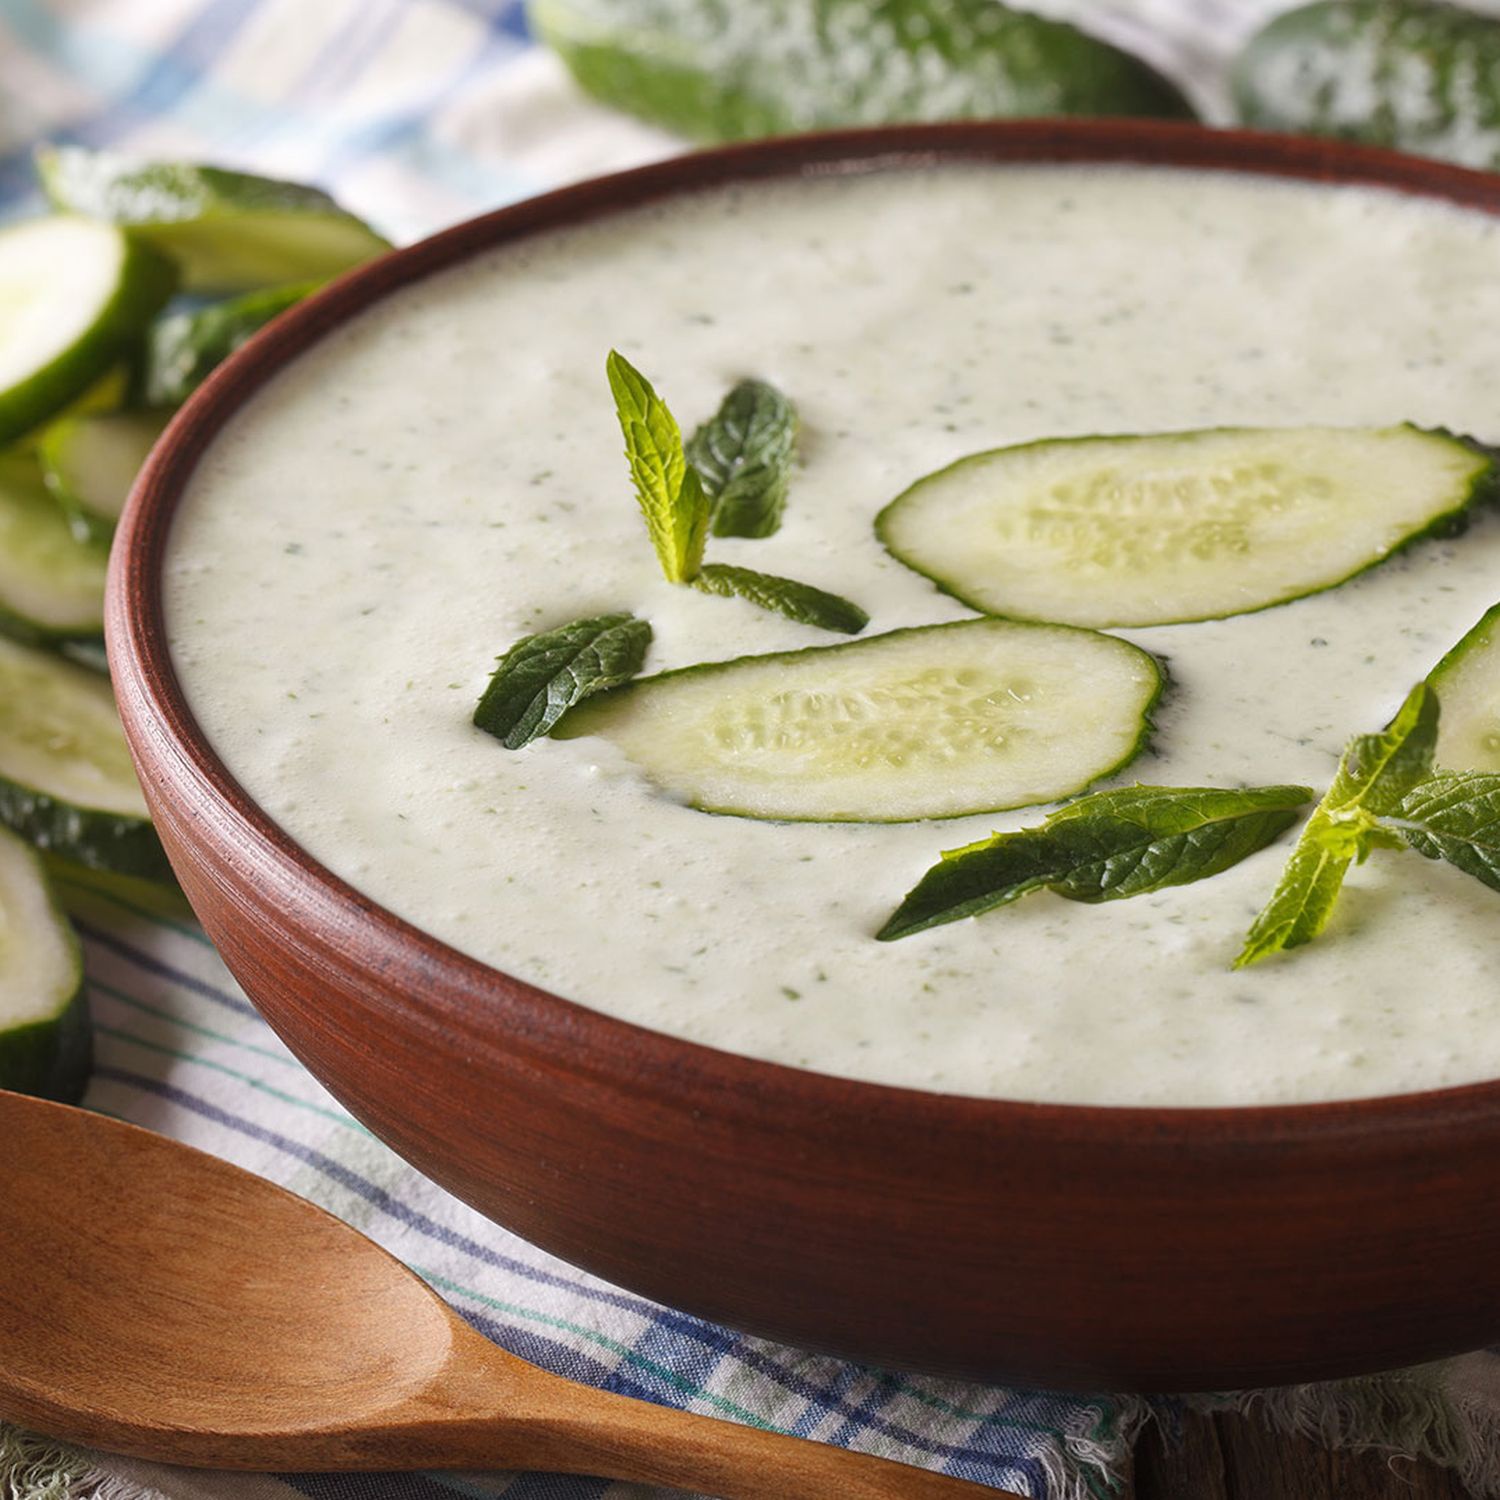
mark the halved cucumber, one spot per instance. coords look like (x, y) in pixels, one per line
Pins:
(66, 782)
(183, 349)
(1467, 683)
(228, 231)
(45, 1043)
(51, 584)
(90, 462)
(73, 295)
(1178, 526)
(933, 722)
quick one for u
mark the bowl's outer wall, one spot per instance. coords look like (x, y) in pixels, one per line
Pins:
(1062, 1246)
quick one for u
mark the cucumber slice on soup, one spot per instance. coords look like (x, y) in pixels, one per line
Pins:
(45, 1043)
(1163, 529)
(51, 584)
(228, 231)
(1467, 682)
(933, 722)
(90, 462)
(66, 782)
(73, 295)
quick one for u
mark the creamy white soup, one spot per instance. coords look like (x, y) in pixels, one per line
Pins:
(444, 475)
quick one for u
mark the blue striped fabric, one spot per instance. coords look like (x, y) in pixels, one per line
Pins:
(417, 113)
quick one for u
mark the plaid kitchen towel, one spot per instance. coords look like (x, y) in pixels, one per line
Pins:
(417, 113)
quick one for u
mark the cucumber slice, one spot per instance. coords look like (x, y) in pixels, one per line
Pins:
(66, 781)
(51, 584)
(1467, 683)
(185, 348)
(933, 722)
(227, 231)
(721, 70)
(45, 1042)
(73, 295)
(90, 462)
(1178, 526)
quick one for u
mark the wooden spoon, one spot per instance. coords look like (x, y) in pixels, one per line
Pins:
(157, 1301)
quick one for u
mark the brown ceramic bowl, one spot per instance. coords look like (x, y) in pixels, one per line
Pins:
(1051, 1245)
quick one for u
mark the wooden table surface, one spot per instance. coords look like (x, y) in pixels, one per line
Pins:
(1239, 1458)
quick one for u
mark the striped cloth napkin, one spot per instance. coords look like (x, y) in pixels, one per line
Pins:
(417, 113)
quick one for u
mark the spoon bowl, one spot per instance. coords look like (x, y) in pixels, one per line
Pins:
(211, 1318)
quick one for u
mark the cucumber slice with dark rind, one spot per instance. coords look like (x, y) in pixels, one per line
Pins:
(1411, 74)
(229, 231)
(934, 722)
(721, 70)
(51, 584)
(45, 1043)
(74, 296)
(66, 781)
(1467, 683)
(90, 462)
(1174, 527)
(184, 349)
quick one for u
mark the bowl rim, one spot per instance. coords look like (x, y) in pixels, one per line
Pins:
(443, 986)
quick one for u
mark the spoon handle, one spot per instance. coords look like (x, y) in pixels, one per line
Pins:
(584, 1431)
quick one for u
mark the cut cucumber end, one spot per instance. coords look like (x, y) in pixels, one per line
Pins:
(66, 780)
(73, 295)
(51, 584)
(45, 1041)
(90, 462)
(934, 722)
(1175, 527)
(1467, 683)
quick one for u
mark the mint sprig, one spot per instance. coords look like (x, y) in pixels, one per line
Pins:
(676, 508)
(743, 455)
(542, 676)
(1375, 774)
(1456, 817)
(1103, 847)
(797, 601)
(668, 488)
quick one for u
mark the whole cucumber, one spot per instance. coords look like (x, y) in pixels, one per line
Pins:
(1422, 77)
(717, 70)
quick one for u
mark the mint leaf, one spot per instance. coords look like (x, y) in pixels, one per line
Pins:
(666, 485)
(1103, 847)
(784, 596)
(743, 455)
(1456, 817)
(542, 676)
(1374, 776)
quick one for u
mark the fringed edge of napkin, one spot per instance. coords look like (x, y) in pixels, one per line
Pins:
(37, 1468)
(1416, 1413)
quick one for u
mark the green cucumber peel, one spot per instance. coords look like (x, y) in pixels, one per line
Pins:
(184, 349)
(1410, 74)
(75, 297)
(1374, 776)
(1104, 847)
(542, 676)
(66, 781)
(1455, 816)
(784, 596)
(714, 70)
(51, 584)
(667, 487)
(227, 231)
(743, 455)
(45, 1039)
